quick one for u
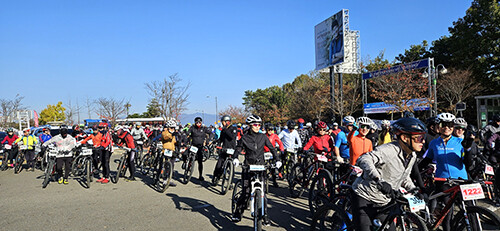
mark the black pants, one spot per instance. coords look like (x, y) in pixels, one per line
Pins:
(13, 154)
(219, 165)
(131, 162)
(105, 162)
(440, 187)
(246, 176)
(67, 166)
(199, 158)
(364, 212)
(30, 157)
(96, 155)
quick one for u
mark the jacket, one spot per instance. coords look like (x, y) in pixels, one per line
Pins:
(10, 139)
(389, 163)
(63, 145)
(168, 140)
(228, 137)
(253, 144)
(320, 144)
(127, 139)
(274, 139)
(198, 136)
(29, 140)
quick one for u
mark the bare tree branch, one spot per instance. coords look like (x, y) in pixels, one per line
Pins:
(111, 108)
(171, 96)
(8, 107)
(457, 86)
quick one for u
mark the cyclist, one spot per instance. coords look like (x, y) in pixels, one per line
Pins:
(275, 141)
(138, 134)
(45, 136)
(386, 134)
(341, 144)
(65, 144)
(385, 169)
(334, 131)
(125, 138)
(77, 133)
(290, 138)
(253, 144)
(10, 139)
(169, 142)
(373, 134)
(490, 129)
(303, 133)
(29, 154)
(198, 136)
(449, 155)
(227, 140)
(359, 144)
(321, 141)
(105, 150)
(95, 137)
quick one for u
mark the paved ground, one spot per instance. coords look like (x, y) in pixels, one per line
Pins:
(24, 205)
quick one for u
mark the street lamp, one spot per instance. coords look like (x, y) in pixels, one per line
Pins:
(216, 114)
(434, 81)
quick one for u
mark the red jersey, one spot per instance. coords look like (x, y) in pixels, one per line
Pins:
(129, 140)
(319, 143)
(274, 139)
(10, 140)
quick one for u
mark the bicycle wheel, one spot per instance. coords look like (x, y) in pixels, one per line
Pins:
(295, 181)
(331, 217)
(88, 171)
(165, 176)
(48, 174)
(227, 177)
(479, 218)
(145, 163)
(5, 157)
(321, 190)
(75, 166)
(205, 155)
(19, 163)
(237, 191)
(410, 222)
(257, 215)
(188, 172)
(121, 165)
(139, 158)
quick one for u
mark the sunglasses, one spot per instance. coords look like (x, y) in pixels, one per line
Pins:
(365, 126)
(418, 138)
(450, 125)
(461, 128)
(256, 125)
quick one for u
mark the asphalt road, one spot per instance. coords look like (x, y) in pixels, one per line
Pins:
(24, 205)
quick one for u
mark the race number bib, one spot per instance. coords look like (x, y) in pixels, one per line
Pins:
(257, 167)
(193, 149)
(321, 158)
(230, 151)
(415, 203)
(472, 191)
(489, 170)
(168, 153)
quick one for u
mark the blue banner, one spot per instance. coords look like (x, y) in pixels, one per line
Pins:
(381, 107)
(396, 69)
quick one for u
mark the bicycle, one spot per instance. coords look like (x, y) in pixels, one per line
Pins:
(332, 217)
(271, 171)
(257, 200)
(82, 165)
(50, 170)
(122, 165)
(20, 158)
(303, 173)
(139, 144)
(150, 159)
(5, 152)
(470, 216)
(290, 160)
(228, 172)
(166, 171)
(189, 167)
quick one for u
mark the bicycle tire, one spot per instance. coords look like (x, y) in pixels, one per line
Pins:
(488, 220)
(116, 178)
(321, 190)
(18, 167)
(48, 174)
(5, 160)
(331, 217)
(257, 216)
(145, 162)
(411, 222)
(88, 172)
(205, 156)
(295, 181)
(74, 166)
(237, 190)
(227, 177)
(188, 172)
(165, 176)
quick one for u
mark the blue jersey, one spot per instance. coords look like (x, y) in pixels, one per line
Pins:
(448, 157)
(341, 143)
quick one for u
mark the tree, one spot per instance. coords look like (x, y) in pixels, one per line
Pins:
(270, 103)
(111, 108)
(71, 111)
(397, 89)
(311, 97)
(127, 106)
(457, 86)
(351, 100)
(153, 109)
(172, 97)
(53, 113)
(9, 107)
(238, 114)
(416, 52)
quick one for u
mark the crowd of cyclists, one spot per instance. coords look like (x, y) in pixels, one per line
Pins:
(391, 154)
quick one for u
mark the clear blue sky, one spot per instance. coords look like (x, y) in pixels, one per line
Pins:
(60, 50)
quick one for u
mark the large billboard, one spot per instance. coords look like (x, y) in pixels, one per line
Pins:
(329, 41)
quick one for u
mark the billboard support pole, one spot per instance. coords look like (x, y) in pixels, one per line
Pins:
(332, 87)
(341, 91)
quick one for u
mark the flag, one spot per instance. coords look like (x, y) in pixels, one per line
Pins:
(36, 118)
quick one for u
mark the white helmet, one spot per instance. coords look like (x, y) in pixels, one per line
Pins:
(364, 121)
(445, 117)
(460, 122)
(374, 126)
(253, 119)
(349, 120)
(171, 123)
(386, 123)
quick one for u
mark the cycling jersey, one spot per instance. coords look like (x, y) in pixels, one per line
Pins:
(126, 138)
(44, 138)
(384, 139)
(228, 137)
(341, 143)
(289, 138)
(29, 140)
(274, 139)
(138, 134)
(198, 135)
(358, 146)
(10, 139)
(448, 157)
(320, 144)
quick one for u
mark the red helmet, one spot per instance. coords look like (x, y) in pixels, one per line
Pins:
(321, 124)
(301, 120)
(103, 125)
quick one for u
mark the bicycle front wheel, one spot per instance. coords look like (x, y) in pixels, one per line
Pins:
(19, 163)
(48, 174)
(237, 191)
(188, 172)
(88, 171)
(476, 218)
(257, 214)
(331, 217)
(410, 222)
(321, 191)
(227, 177)
(165, 176)
(295, 181)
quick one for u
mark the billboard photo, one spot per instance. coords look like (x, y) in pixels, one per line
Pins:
(329, 41)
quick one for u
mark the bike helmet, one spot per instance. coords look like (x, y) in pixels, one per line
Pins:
(225, 118)
(171, 124)
(300, 120)
(364, 121)
(374, 126)
(269, 126)
(496, 118)
(138, 123)
(321, 125)
(386, 123)
(349, 120)
(445, 117)
(198, 119)
(253, 119)
(308, 124)
(291, 124)
(408, 114)
(410, 126)
(471, 129)
(103, 125)
(432, 121)
(460, 122)
(10, 130)
(26, 130)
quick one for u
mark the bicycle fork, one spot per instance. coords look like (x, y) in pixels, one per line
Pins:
(257, 185)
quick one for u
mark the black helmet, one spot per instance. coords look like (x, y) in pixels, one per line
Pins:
(269, 126)
(432, 121)
(63, 129)
(197, 119)
(291, 124)
(225, 118)
(408, 114)
(471, 129)
(496, 118)
(409, 126)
